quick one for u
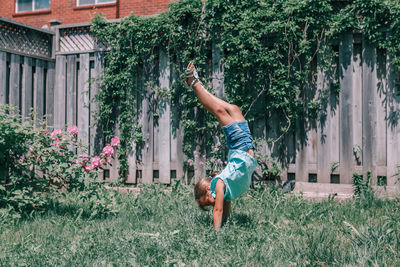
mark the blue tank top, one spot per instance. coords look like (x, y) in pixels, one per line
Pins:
(236, 175)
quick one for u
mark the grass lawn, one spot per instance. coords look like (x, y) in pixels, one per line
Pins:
(157, 228)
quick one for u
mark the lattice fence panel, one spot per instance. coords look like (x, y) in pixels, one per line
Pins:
(23, 40)
(76, 39)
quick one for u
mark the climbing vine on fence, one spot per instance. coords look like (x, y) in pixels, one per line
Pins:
(270, 51)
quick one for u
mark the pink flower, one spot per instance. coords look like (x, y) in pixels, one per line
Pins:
(212, 160)
(201, 163)
(96, 162)
(195, 153)
(88, 168)
(115, 141)
(108, 151)
(218, 144)
(219, 161)
(56, 133)
(195, 168)
(73, 130)
(216, 149)
(226, 162)
(55, 143)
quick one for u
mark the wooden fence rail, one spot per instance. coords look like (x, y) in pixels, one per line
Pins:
(359, 132)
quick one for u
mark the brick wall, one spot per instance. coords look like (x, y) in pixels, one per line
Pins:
(67, 12)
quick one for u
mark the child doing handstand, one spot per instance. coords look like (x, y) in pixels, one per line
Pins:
(235, 178)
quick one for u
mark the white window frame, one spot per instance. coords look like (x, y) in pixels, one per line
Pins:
(95, 3)
(33, 7)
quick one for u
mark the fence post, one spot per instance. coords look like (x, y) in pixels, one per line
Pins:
(369, 109)
(346, 109)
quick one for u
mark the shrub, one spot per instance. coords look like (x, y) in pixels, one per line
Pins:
(363, 191)
(39, 165)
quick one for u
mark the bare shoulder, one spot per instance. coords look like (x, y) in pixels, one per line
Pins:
(220, 186)
(250, 152)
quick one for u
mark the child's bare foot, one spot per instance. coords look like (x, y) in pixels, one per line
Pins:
(191, 74)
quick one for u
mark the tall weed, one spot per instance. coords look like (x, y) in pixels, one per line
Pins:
(363, 192)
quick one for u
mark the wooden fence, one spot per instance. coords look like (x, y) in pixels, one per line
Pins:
(359, 131)
(27, 69)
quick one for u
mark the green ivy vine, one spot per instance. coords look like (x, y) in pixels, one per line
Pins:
(270, 50)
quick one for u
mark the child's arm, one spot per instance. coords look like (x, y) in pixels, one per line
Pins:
(219, 204)
(227, 208)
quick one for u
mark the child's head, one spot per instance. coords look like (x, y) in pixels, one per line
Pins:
(202, 193)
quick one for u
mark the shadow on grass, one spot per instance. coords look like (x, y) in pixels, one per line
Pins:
(68, 210)
(241, 219)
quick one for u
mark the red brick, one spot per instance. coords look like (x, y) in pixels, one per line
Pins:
(66, 12)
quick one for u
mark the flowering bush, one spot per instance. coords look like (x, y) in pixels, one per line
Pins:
(40, 165)
(214, 160)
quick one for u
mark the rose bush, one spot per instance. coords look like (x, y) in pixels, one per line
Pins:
(38, 166)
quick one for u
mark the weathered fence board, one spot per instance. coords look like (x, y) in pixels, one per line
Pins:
(3, 77)
(369, 109)
(15, 81)
(217, 70)
(393, 133)
(146, 120)
(95, 132)
(346, 108)
(83, 99)
(60, 92)
(381, 121)
(301, 156)
(357, 106)
(71, 90)
(27, 89)
(164, 122)
(177, 157)
(50, 93)
(39, 90)
(324, 126)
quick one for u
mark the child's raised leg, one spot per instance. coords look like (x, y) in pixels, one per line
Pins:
(224, 112)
